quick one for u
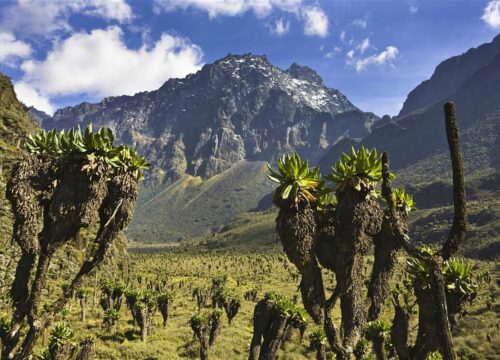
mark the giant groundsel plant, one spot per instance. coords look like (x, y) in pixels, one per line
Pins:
(69, 181)
(338, 233)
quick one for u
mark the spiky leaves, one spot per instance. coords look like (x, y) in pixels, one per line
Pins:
(359, 170)
(297, 181)
(61, 341)
(92, 146)
(458, 276)
(402, 201)
(106, 177)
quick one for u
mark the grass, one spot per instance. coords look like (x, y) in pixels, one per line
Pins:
(264, 271)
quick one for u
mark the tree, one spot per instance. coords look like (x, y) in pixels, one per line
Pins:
(49, 213)
(316, 227)
(83, 295)
(206, 327)
(273, 318)
(164, 304)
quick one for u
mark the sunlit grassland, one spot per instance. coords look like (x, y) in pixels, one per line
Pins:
(264, 271)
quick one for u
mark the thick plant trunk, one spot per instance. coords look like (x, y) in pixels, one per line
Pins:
(400, 329)
(358, 219)
(165, 311)
(83, 306)
(379, 348)
(386, 249)
(275, 333)
(296, 227)
(261, 321)
(87, 350)
(428, 335)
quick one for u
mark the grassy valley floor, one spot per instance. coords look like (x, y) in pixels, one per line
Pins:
(476, 337)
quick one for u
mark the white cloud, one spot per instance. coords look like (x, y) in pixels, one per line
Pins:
(32, 97)
(100, 64)
(364, 45)
(110, 9)
(51, 16)
(362, 23)
(332, 54)
(342, 35)
(413, 8)
(381, 58)
(314, 18)
(280, 27)
(11, 50)
(491, 15)
(350, 54)
(216, 8)
(316, 21)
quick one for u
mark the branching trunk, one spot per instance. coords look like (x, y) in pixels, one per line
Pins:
(357, 220)
(386, 248)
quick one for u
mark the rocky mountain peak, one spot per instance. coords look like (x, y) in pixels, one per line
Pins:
(304, 73)
(240, 107)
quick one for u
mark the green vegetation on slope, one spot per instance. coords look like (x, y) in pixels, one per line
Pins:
(15, 124)
(200, 206)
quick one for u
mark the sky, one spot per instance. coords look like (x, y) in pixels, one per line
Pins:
(63, 52)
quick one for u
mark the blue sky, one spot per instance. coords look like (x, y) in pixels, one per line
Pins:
(63, 52)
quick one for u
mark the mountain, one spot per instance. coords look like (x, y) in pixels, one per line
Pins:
(15, 124)
(416, 143)
(239, 108)
(449, 76)
(37, 115)
(209, 134)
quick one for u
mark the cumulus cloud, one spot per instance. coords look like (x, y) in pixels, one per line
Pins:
(413, 8)
(11, 50)
(33, 97)
(51, 16)
(382, 58)
(280, 27)
(316, 21)
(100, 64)
(491, 14)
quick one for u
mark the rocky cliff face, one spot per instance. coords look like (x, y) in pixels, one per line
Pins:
(37, 115)
(420, 135)
(449, 76)
(240, 107)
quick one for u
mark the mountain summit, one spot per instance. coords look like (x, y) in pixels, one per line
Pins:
(240, 107)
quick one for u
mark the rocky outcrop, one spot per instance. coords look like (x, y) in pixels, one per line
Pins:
(449, 76)
(240, 107)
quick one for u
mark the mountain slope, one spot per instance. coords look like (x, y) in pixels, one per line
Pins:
(238, 108)
(15, 124)
(449, 76)
(418, 150)
(193, 207)
(209, 134)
